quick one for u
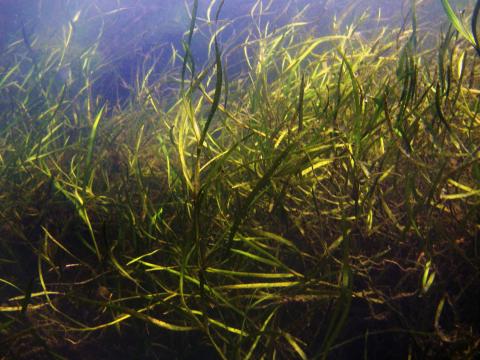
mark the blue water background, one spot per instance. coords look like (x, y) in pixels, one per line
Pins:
(142, 33)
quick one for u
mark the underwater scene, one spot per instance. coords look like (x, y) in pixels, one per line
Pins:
(239, 179)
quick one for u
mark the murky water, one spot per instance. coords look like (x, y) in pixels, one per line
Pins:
(323, 184)
(131, 30)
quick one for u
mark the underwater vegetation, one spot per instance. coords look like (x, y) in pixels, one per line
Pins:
(301, 190)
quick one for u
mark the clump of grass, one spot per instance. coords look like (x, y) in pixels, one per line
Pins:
(322, 202)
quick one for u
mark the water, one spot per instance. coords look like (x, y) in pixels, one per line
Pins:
(136, 34)
(323, 197)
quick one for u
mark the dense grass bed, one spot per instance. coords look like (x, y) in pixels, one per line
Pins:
(323, 202)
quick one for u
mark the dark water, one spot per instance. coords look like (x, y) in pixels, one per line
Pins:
(138, 34)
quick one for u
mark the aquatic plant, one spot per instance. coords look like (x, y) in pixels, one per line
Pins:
(323, 202)
(470, 35)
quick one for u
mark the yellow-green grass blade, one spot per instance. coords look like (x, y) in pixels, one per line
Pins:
(457, 23)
